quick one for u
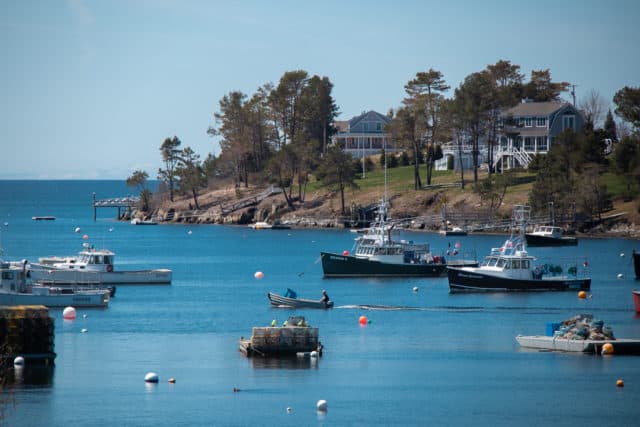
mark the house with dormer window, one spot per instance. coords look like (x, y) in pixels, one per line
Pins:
(531, 128)
(364, 135)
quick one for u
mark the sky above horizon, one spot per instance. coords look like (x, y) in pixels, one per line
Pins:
(92, 88)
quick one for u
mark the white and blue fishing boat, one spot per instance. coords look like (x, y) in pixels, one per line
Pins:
(511, 268)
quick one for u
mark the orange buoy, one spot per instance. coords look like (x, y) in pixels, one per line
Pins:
(258, 275)
(607, 348)
(619, 383)
(345, 253)
(363, 320)
(582, 294)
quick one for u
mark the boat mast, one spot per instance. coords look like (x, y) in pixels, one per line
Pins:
(519, 219)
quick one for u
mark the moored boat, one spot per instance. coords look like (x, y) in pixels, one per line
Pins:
(295, 302)
(261, 225)
(17, 288)
(93, 266)
(548, 235)
(636, 300)
(636, 263)
(512, 268)
(454, 231)
(377, 254)
(138, 221)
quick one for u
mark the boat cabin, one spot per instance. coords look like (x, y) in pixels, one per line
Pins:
(547, 230)
(13, 278)
(90, 260)
(511, 259)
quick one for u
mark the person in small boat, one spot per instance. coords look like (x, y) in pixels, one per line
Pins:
(325, 297)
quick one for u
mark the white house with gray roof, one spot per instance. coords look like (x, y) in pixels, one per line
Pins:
(364, 135)
(530, 128)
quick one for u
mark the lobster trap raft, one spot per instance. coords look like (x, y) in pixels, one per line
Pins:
(27, 331)
(290, 340)
(581, 333)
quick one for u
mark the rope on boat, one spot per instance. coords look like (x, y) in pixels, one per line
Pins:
(310, 265)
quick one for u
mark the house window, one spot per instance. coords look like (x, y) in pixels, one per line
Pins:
(529, 143)
(504, 142)
(542, 143)
(378, 126)
(528, 122)
(541, 122)
(568, 122)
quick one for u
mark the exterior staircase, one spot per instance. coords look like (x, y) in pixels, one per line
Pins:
(522, 157)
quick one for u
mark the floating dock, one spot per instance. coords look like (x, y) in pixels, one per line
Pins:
(27, 331)
(287, 340)
(43, 218)
(541, 342)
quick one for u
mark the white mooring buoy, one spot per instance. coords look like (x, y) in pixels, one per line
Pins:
(322, 405)
(151, 377)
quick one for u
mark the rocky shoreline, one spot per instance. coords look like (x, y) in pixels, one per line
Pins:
(620, 228)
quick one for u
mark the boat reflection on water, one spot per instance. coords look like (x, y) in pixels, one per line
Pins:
(284, 362)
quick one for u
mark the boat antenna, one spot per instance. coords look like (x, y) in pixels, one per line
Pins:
(384, 148)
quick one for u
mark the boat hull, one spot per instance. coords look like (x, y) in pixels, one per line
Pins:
(335, 265)
(140, 277)
(636, 263)
(636, 300)
(57, 300)
(538, 241)
(464, 280)
(280, 301)
(621, 346)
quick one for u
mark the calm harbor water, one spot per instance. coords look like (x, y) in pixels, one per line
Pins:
(426, 357)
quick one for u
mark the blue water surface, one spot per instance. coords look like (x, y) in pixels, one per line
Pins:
(425, 357)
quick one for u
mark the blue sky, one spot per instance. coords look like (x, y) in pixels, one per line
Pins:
(91, 88)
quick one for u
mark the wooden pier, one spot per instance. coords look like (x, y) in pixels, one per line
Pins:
(127, 203)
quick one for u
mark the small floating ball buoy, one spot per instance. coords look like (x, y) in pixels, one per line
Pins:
(289, 409)
(77, 229)
(235, 389)
(172, 380)
(313, 354)
(258, 275)
(620, 275)
(110, 229)
(83, 330)
(621, 254)
(345, 253)
(582, 294)
(189, 232)
(415, 289)
(363, 320)
(69, 313)
(18, 361)
(85, 237)
(6, 224)
(322, 405)
(607, 349)
(151, 377)
(84, 316)
(619, 383)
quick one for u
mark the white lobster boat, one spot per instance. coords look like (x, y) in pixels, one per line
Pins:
(93, 266)
(17, 288)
